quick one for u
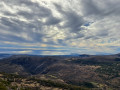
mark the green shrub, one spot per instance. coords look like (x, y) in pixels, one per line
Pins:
(2, 87)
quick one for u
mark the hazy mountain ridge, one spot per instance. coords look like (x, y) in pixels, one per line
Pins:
(4, 56)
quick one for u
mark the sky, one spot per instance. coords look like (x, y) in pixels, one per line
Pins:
(60, 27)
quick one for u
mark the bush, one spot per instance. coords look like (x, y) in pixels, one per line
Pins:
(2, 87)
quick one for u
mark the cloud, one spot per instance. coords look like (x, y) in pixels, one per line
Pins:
(72, 20)
(100, 9)
(81, 24)
(52, 21)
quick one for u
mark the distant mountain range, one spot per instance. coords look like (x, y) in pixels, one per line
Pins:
(4, 55)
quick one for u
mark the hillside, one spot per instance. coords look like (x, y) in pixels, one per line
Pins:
(96, 72)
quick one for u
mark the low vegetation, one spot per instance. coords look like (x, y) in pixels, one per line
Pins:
(15, 82)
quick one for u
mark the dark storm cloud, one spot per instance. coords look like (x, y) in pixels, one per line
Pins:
(90, 8)
(52, 21)
(72, 20)
(100, 9)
